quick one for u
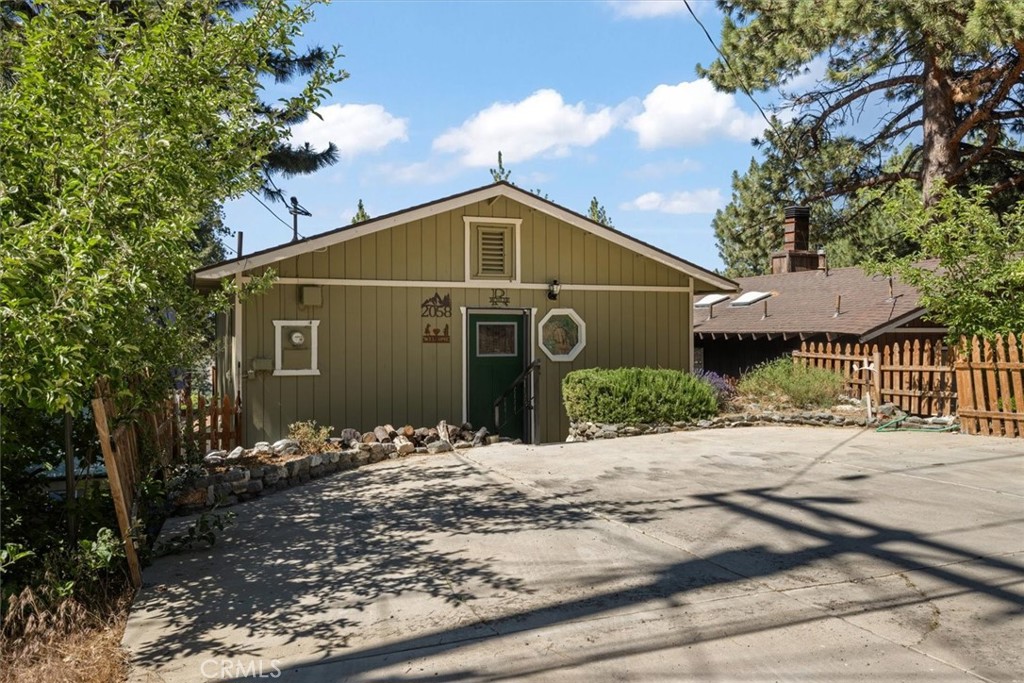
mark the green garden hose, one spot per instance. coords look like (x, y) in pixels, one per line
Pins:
(888, 427)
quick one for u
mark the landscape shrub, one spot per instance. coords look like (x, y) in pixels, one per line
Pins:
(636, 396)
(782, 381)
(310, 436)
(724, 387)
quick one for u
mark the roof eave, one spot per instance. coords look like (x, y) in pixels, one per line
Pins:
(278, 253)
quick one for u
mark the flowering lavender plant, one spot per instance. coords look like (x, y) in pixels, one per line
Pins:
(723, 386)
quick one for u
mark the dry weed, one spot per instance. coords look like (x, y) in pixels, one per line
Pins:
(63, 644)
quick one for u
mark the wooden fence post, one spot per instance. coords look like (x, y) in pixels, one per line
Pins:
(118, 478)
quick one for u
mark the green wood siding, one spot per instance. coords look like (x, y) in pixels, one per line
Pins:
(374, 365)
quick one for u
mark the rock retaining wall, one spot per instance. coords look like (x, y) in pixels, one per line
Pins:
(586, 431)
(199, 489)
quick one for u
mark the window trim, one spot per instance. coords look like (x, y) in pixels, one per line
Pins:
(514, 226)
(279, 327)
(580, 344)
(514, 324)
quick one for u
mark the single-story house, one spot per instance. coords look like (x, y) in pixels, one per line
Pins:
(804, 300)
(441, 310)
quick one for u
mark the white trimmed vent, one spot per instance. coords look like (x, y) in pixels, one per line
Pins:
(493, 252)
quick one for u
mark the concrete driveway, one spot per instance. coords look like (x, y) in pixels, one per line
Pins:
(766, 553)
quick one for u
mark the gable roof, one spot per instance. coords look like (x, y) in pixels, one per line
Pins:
(501, 189)
(805, 303)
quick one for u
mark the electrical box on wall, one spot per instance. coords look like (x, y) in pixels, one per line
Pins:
(311, 295)
(262, 364)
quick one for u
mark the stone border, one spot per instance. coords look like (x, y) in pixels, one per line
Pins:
(198, 489)
(587, 431)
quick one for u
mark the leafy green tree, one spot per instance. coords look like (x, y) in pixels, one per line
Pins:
(942, 76)
(969, 268)
(598, 214)
(361, 214)
(120, 128)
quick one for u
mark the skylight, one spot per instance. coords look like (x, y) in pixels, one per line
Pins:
(711, 300)
(748, 298)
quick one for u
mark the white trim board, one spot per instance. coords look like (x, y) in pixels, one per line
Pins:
(313, 344)
(517, 229)
(894, 324)
(488, 192)
(466, 311)
(236, 343)
(475, 284)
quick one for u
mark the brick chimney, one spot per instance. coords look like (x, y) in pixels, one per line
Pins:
(796, 227)
(795, 255)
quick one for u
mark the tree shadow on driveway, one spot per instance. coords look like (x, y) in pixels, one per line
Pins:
(307, 563)
(313, 564)
(672, 584)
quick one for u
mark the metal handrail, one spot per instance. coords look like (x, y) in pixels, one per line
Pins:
(526, 374)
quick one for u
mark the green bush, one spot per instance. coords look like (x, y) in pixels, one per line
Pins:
(636, 396)
(782, 381)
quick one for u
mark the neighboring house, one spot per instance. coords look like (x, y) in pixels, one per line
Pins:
(434, 312)
(803, 300)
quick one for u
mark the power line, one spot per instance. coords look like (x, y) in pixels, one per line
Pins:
(725, 59)
(271, 211)
(750, 95)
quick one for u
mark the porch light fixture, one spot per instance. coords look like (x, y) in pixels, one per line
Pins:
(553, 289)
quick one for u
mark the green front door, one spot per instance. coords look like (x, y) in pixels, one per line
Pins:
(497, 357)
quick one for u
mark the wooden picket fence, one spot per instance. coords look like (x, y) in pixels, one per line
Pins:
(990, 377)
(212, 424)
(121, 440)
(917, 376)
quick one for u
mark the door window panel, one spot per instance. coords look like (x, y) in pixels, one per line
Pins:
(496, 339)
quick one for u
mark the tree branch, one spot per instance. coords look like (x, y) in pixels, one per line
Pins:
(889, 131)
(849, 187)
(982, 112)
(1008, 184)
(861, 92)
(980, 152)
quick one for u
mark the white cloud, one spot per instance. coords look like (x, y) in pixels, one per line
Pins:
(417, 172)
(540, 124)
(646, 9)
(354, 128)
(686, 201)
(691, 112)
(662, 169)
(813, 72)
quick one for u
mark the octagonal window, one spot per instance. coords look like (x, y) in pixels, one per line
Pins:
(562, 334)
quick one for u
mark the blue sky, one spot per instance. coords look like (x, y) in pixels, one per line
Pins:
(583, 98)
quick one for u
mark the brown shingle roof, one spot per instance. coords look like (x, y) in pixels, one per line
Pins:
(805, 302)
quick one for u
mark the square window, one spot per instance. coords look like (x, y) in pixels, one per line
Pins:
(497, 339)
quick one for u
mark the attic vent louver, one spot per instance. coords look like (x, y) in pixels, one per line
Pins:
(493, 252)
(748, 298)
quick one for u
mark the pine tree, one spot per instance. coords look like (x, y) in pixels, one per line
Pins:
(946, 75)
(598, 214)
(361, 214)
(500, 174)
